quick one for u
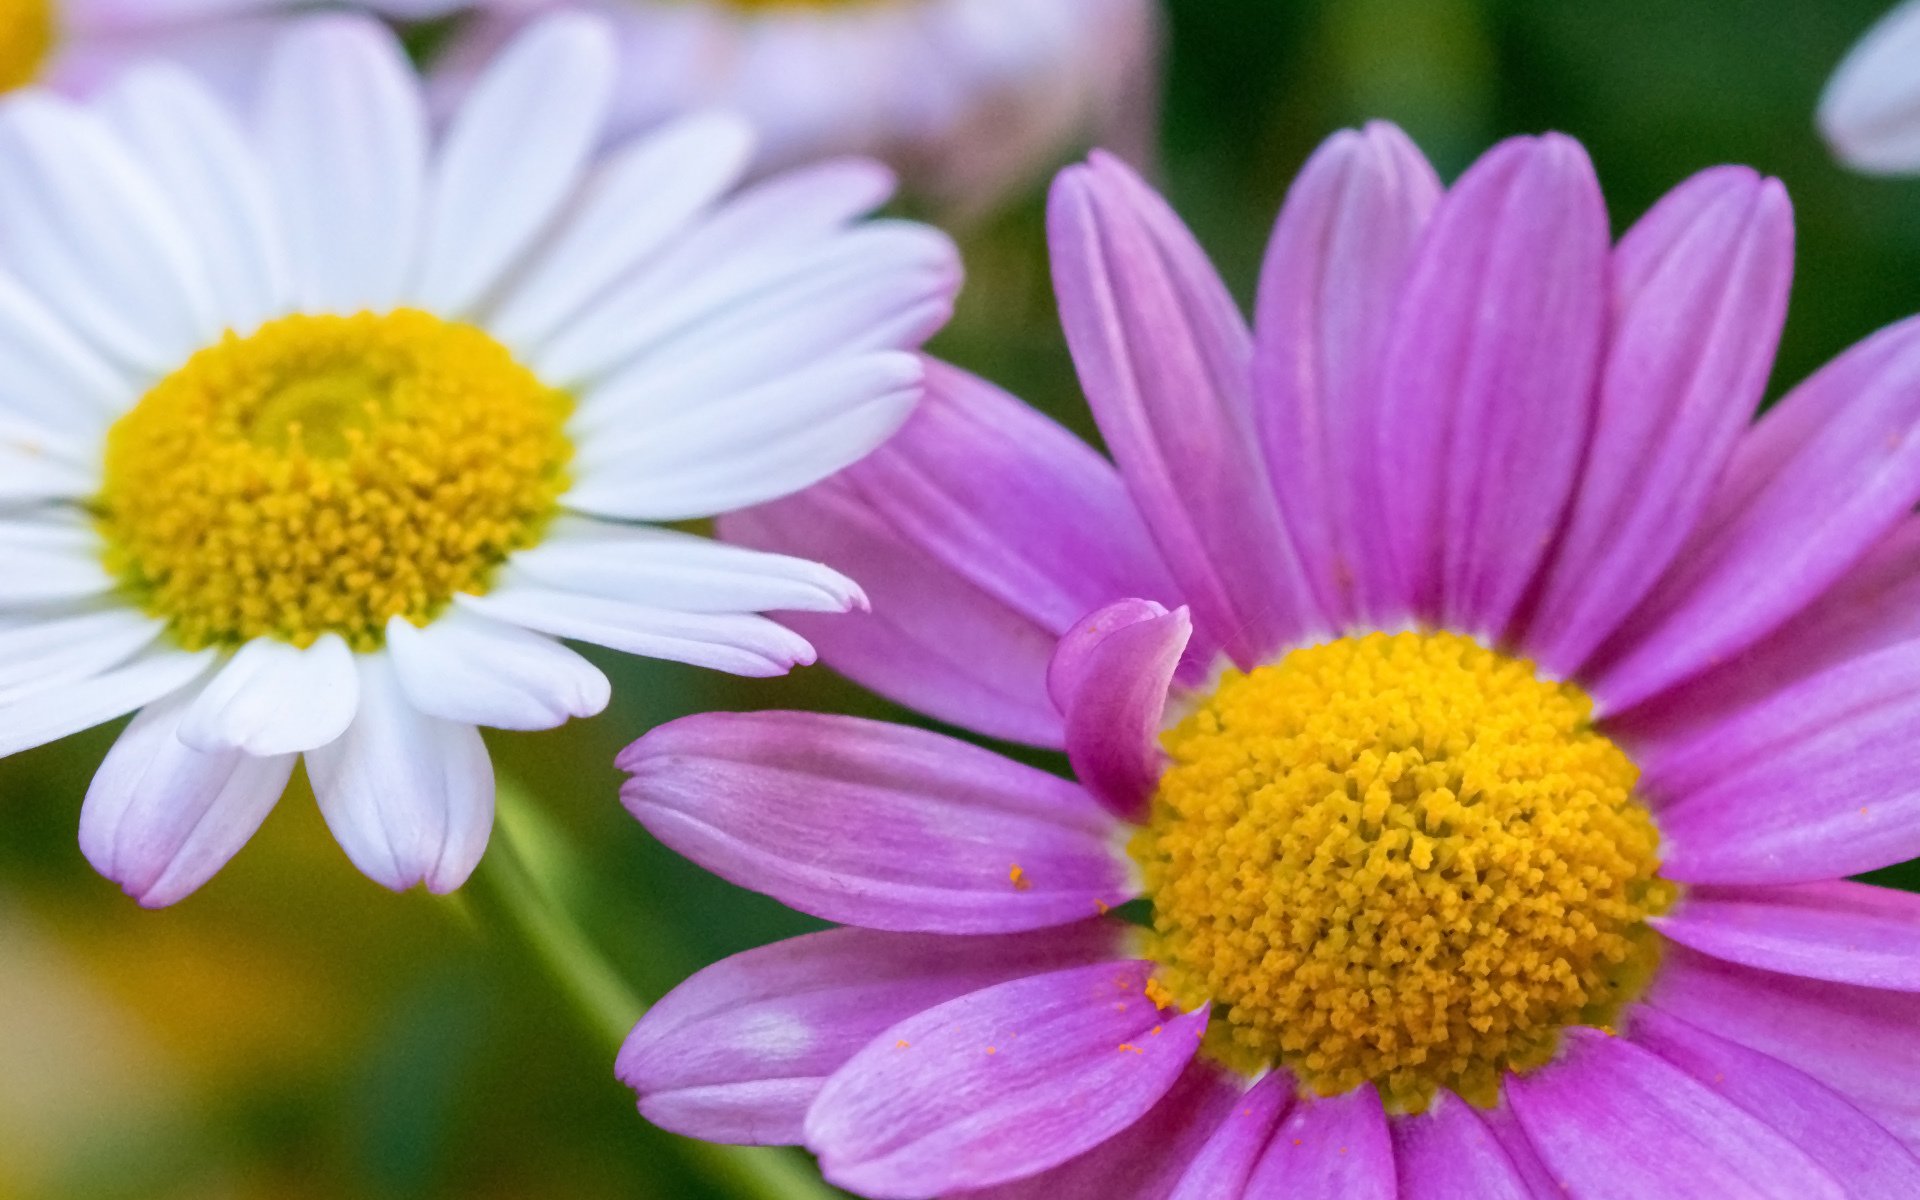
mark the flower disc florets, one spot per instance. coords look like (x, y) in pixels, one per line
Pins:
(1399, 858)
(326, 474)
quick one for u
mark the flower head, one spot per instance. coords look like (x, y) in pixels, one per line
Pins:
(317, 439)
(1485, 711)
(969, 99)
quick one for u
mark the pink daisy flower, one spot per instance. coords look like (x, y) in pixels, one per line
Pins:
(1487, 713)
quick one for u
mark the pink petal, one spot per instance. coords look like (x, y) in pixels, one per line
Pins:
(1813, 783)
(1817, 484)
(876, 825)
(1330, 1148)
(1001, 1084)
(1224, 1166)
(1699, 297)
(1840, 931)
(1835, 1134)
(1488, 391)
(1164, 357)
(1614, 1122)
(1875, 605)
(1110, 676)
(738, 1052)
(1448, 1153)
(1328, 292)
(983, 531)
(1858, 1041)
(1144, 1161)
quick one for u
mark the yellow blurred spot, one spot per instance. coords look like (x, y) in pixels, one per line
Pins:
(26, 41)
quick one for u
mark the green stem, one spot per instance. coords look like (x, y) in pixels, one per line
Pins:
(526, 853)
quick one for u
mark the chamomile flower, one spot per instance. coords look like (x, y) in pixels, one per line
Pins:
(317, 435)
(1482, 711)
(967, 98)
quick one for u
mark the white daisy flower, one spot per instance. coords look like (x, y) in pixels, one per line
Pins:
(968, 98)
(315, 437)
(1870, 113)
(78, 45)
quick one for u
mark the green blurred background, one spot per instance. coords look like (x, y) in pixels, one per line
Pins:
(294, 1031)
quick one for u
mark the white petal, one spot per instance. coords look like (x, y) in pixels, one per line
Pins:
(86, 230)
(41, 655)
(30, 473)
(466, 668)
(513, 156)
(47, 716)
(738, 644)
(663, 568)
(646, 193)
(1870, 113)
(883, 267)
(161, 818)
(52, 379)
(197, 152)
(741, 450)
(409, 797)
(346, 142)
(274, 698)
(49, 557)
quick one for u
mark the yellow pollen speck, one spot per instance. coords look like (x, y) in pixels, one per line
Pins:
(902, 1044)
(1158, 994)
(1019, 877)
(27, 33)
(326, 474)
(1398, 858)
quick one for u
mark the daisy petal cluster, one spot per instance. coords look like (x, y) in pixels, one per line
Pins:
(969, 99)
(319, 431)
(1480, 711)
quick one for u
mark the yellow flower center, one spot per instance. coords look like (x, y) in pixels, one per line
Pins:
(1399, 858)
(26, 40)
(326, 474)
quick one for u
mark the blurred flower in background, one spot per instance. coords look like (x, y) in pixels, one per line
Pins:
(78, 45)
(1422, 913)
(319, 444)
(968, 99)
(1870, 112)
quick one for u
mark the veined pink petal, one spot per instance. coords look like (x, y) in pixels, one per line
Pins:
(738, 1052)
(1165, 359)
(1699, 298)
(1835, 930)
(1328, 292)
(1849, 1144)
(876, 825)
(1222, 1167)
(1615, 1122)
(1142, 1162)
(1818, 483)
(1110, 677)
(1001, 1084)
(1858, 1041)
(1448, 1153)
(1812, 783)
(1874, 606)
(1488, 390)
(1330, 1148)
